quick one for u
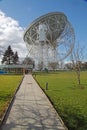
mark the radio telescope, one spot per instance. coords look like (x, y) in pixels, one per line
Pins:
(49, 39)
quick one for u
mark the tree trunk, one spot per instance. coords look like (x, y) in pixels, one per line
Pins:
(78, 77)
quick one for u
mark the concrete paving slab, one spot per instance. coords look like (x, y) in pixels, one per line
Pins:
(31, 110)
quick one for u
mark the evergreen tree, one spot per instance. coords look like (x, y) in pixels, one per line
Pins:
(8, 56)
(16, 58)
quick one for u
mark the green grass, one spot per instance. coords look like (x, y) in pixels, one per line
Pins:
(8, 85)
(69, 100)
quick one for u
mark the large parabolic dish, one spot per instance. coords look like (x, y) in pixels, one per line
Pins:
(50, 38)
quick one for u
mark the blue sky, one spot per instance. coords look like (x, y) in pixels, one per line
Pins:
(25, 11)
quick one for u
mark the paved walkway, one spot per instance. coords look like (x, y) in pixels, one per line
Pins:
(31, 109)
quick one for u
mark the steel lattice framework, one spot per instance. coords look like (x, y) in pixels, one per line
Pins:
(50, 38)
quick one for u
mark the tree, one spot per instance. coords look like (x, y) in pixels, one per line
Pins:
(40, 65)
(8, 56)
(53, 65)
(84, 66)
(69, 66)
(76, 58)
(16, 58)
(28, 61)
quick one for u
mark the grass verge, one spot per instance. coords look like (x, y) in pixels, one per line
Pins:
(68, 99)
(8, 86)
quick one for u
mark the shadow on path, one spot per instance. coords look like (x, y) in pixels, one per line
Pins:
(31, 110)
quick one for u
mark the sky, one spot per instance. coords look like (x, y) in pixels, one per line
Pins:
(17, 15)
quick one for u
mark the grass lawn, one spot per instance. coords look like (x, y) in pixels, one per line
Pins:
(69, 100)
(8, 85)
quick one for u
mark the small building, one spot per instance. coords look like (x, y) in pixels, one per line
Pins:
(16, 69)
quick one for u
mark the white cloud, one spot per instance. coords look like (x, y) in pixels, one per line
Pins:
(12, 34)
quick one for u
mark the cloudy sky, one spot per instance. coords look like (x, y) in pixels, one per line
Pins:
(11, 34)
(16, 15)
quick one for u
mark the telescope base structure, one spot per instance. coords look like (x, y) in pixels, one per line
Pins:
(44, 56)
